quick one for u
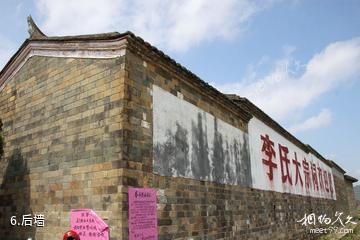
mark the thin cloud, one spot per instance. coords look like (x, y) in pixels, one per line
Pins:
(291, 87)
(321, 120)
(62, 17)
(174, 24)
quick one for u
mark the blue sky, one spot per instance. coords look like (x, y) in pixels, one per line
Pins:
(302, 55)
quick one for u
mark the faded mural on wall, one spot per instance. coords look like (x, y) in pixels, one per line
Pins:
(280, 166)
(189, 142)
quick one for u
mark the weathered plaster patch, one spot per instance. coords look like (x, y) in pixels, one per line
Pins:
(189, 142)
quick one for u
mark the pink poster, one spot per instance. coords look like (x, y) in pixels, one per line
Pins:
(88, 225)
(142, 214)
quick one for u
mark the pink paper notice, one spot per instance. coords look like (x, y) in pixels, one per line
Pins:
(142, 214)
(88, 225)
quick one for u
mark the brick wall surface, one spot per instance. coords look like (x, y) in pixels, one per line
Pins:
(351, 197)
(190, 209)
(78, 133)
(341, 202)
(63, 135)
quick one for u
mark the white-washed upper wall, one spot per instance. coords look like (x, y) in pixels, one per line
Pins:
(271, 155)
(189, 142)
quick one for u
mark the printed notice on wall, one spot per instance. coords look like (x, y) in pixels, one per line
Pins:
(142, 214)
(88, 225)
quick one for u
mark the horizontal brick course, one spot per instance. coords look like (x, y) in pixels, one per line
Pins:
(79, 132)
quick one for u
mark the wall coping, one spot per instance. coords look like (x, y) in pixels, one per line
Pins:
(105, 45)
(257, 112)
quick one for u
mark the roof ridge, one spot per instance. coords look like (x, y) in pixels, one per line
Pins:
(282, 130)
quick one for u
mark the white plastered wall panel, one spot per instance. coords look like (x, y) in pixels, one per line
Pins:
(260, 177)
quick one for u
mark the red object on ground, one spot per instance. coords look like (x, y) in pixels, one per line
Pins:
(71, 235)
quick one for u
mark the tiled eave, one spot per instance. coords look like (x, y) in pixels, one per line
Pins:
(108, 45)
(260, 114)
(97, 46)
(350, 178)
